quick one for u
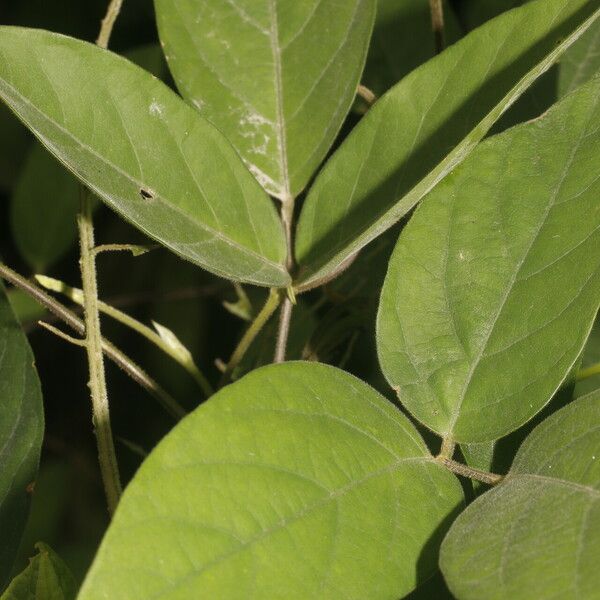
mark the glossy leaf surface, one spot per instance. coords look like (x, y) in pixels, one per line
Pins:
(536, 534)
(277, 77)
(494, 284)
(269, 489)
(144, 152)
(425, 126)
(21, 432)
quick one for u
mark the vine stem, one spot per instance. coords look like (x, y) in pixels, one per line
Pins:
(465, 471)
(437, 23)
(259, 322)
(112, 12)
(285, 317)
(97, 382)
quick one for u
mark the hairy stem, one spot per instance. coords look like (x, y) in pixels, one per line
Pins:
(184, 359)
(437, 23)
(366, 94)
(283, 331)
(447, 449)
(259, 322)
(465, 471)
(61, 312)
(97, 382)
(112, 12)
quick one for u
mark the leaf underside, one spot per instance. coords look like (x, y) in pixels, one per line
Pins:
(536, 534)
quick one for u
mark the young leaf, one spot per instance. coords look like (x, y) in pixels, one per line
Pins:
(277, 77)
(46, 577)
(269, 489)
(144, 152)
(493, 286)
(21, 432)
(426, 125)
(536, 534)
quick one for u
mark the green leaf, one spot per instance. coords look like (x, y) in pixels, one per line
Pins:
(21, 432)
(402, 40)
(43, 210)
(144, 152)
(581, 62)
(277, 77)
(46, 577)
(494, 284)
(425, 126)
(298, 481)
(536, 534)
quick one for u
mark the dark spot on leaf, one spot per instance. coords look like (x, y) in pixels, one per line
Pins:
(146, 194)
(30, 487)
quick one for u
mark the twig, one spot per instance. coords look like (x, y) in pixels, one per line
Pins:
(112, 12)
(465, 471)
(283, 332)
(253, 330)
(107, 457)
(97, 383)
(588, 372)
(182, 356)
(111, 351)
(366, 94)
(437, 23)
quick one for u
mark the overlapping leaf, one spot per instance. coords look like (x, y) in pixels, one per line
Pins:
(21, 433)
(46, 577)
(426, 125)
(269, 489)
(277, 77)
(144, 152)
(536, 534)
(494, 284)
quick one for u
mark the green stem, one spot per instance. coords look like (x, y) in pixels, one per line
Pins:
(184, 359)
(588, 372)
(285, 317)
(465, 471)
(447, 449)
(111, 351)
(255, 327)
(437, 23)
(97, 382)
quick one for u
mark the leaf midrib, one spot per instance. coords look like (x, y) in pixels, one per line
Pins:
(517, 270)
(333, 496)
(159, 198)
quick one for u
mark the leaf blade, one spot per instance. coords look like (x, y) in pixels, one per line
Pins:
(21, 432)
(424, 127)
(548, 508)
(470, 339)
(276, 77)
(301, 494)
(144, 152)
